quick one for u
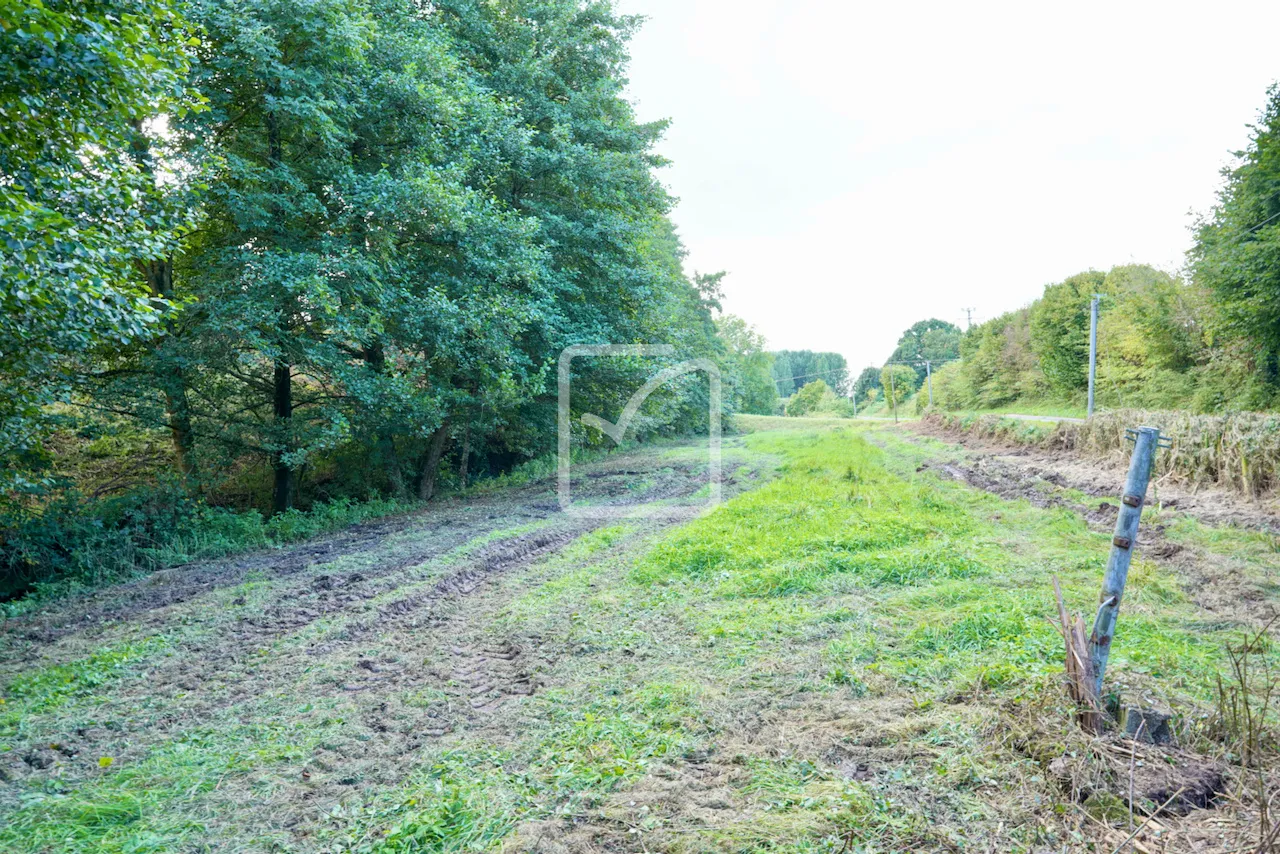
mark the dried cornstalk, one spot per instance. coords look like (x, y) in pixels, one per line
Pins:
(1236, 450)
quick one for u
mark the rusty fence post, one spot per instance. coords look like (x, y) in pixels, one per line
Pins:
(1146, 441)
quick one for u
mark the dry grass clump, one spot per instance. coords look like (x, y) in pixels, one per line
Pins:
(1124, 795)
(1239, 450)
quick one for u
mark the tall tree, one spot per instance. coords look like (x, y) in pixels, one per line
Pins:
(614, 263)
(1237, 249)
(751, 367)
(1060, 330)
(898, 382)
(867, 381)
(80, 81)
(796, 368)
(934, 340)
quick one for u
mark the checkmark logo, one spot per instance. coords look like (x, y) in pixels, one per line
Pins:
(617, 431)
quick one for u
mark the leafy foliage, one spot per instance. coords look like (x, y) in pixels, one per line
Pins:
(793, 368)
(1060, 330)
(1159, 345)
(898, 382)
(80, 88)
(810, 398)
(1237, 251)
(750, 365)
(934, 341)
(867, 384)
(406, 212)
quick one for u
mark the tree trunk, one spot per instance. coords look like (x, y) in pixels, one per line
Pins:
(282, 380)
(282, 494)
(435, 450)
(158, 274)
(159, 277)
(466, 454)
(384, 440)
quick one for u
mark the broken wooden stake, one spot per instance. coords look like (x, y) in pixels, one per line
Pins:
(1081, 685)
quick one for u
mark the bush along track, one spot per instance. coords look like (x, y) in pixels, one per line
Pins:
(853, 655)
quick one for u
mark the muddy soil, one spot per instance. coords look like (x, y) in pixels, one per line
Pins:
(1105, 479)
(1221, 586)
(387, 623)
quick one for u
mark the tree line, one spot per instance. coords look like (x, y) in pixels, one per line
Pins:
(1205, 339)
(794, 369)
(1161, 345)
(263, 253)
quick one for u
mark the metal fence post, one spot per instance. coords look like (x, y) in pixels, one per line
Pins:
(928, 372)
(1146, 440)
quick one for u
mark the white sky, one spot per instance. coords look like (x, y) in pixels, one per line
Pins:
(859, 166)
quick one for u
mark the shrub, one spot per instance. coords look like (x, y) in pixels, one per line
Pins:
(74, 542)
(898, 381)
(808, 400)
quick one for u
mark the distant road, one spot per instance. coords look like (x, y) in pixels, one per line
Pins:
(1050, 418)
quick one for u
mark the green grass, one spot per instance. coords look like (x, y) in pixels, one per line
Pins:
(904, 585)
(44, 690)
(1049, 408)
(470, 800)
(852, 602)
(961, 593)
(91, 554)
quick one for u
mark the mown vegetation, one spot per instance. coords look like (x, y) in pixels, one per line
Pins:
(851, 655)
(267, 256)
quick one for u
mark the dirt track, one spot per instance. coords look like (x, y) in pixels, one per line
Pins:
(387, 624)
(304, 700)
(1218, 584)
(1019, 471)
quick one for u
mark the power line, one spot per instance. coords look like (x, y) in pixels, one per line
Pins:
(818, 374)
(923, 361)
(1260, 225)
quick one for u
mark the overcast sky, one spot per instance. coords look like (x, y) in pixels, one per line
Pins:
(857, 166)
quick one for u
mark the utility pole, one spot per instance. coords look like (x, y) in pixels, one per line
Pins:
(1093, 348)
(893, 394)
(928, 372)
(968, 314)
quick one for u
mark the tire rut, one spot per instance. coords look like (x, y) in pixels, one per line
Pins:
(1212, 582)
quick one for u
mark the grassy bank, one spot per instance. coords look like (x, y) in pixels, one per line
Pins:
(68, 549)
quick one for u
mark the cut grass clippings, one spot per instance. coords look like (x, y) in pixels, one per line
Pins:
(828, 662)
